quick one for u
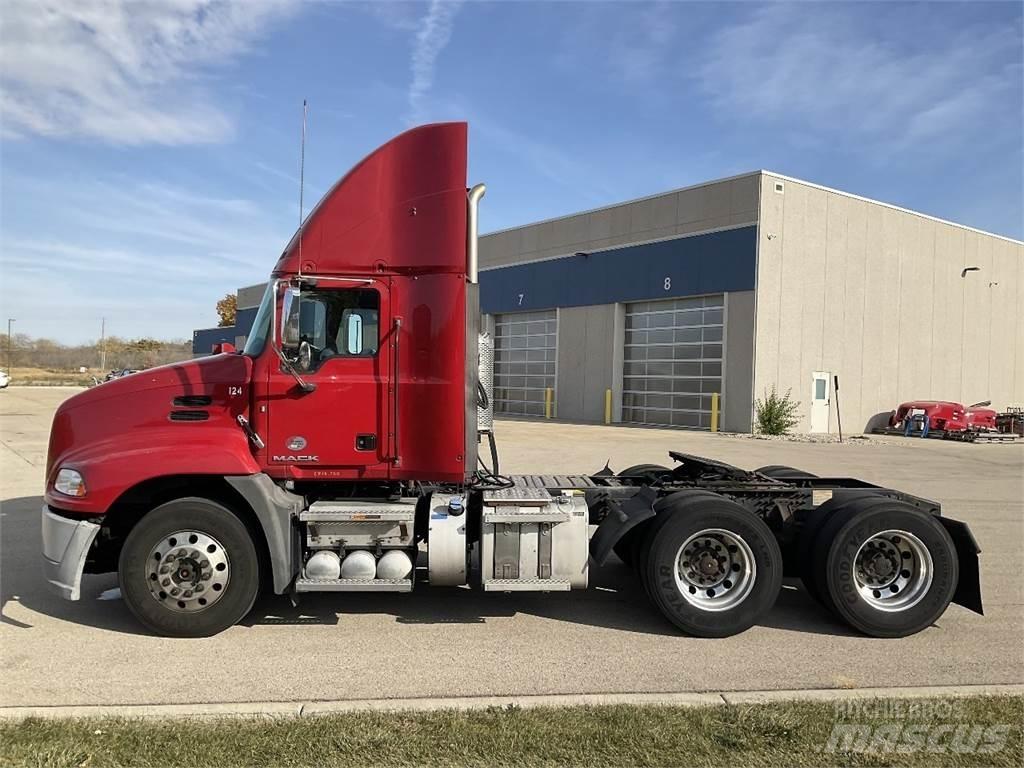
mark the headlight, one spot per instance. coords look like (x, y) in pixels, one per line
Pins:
(70, 483)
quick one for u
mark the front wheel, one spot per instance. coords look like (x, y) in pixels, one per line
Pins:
(189, 569)
(713, 569)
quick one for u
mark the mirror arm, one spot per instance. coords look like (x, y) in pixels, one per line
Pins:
(305, 386)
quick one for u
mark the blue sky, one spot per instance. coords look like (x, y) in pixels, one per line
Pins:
(149, 152)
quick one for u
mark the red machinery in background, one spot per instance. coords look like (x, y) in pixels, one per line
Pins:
(945, 419)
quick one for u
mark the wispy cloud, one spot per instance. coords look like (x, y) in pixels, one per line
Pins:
(628, 43)
(154, 257)
(830, 70)
(121, 71)
(432, 35)
(641, 46)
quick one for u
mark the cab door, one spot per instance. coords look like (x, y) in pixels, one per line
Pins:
(340, 429)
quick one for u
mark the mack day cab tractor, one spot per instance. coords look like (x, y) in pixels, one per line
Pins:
(341, 445)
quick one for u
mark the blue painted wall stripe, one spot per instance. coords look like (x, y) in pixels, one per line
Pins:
(710, 263)
(204, 339)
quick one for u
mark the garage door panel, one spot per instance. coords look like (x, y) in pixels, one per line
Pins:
(524, 361)
(672, 361)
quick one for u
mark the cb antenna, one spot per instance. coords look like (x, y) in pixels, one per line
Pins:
(302, 178)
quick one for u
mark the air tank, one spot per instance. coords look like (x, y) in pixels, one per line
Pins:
(323, 565)
(395, 564)
(359, 564)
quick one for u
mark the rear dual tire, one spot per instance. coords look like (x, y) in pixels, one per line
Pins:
(709, 565)
(882, 566)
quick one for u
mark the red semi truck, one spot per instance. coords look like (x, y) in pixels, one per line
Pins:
(339, 450)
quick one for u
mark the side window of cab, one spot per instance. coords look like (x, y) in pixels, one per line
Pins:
(340, 323)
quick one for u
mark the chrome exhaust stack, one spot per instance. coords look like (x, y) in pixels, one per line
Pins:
(472, 372)
(472, 230)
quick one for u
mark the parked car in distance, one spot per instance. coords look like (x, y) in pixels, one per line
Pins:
(4, 380)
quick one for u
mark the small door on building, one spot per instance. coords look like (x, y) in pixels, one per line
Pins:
(820, 401)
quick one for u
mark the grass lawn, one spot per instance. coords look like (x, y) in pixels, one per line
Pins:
(764, 735)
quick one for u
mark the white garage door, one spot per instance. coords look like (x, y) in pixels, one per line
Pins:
(525, 354)
(673, 361)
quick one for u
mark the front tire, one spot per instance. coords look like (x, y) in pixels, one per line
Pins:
(712, 567)
(189, 569)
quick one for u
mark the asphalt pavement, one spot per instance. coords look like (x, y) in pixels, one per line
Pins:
(457, 642)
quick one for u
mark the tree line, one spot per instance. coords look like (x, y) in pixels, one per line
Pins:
(27, 352)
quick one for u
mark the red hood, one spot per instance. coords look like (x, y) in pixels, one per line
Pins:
(145, 400)
(191, 377)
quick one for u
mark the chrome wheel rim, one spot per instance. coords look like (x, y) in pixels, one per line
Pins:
(715, 569)
(188, 571)
(893, 570)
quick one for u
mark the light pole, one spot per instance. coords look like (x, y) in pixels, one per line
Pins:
(10, 321)
(103, 345)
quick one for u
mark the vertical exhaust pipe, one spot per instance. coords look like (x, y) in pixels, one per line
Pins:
(472, 247)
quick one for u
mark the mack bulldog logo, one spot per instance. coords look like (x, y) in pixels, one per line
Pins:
(295, 443)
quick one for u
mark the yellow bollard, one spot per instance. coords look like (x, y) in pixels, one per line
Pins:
(548, 398)
(714, 411)
(607, 406)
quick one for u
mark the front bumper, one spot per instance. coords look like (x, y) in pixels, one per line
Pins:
(66, 544)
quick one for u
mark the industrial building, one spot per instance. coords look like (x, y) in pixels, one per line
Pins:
(654, 311)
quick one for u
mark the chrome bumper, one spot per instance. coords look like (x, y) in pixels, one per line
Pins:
(66, 543)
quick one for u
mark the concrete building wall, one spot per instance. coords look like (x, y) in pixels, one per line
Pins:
(874, 294)
(738, 381)
(251, 295)
(586, 351)
(715, 205)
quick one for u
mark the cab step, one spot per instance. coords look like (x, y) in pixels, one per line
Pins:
(353, 585)
(527, 585)
(359, 511)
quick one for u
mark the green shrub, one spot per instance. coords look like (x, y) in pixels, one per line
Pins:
(776, 415)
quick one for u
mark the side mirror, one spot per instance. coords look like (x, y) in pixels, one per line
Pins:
(353, 333)
(224, 348)
(290, 317)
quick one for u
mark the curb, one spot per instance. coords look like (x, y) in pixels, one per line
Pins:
(298, 709)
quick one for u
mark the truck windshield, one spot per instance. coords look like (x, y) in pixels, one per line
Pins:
(261, 325)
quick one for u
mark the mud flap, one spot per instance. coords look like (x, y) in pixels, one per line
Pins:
(622, 516)
(968, 589)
